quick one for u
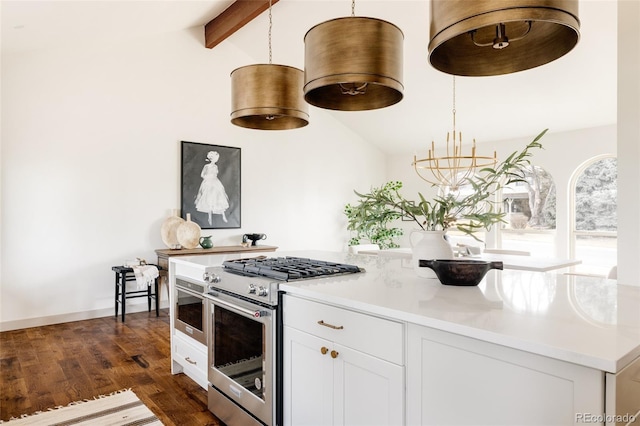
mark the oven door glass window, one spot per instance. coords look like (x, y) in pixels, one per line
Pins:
(190, 309)
(239, 350)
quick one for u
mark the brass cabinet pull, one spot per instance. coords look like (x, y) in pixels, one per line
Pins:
(334, 354)
(335, 327)
(324, 350)
(190, 361)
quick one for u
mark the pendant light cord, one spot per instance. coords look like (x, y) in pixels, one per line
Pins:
(270, 26)
(454, 107)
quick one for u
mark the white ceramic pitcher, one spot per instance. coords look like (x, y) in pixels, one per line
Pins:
(429, 245)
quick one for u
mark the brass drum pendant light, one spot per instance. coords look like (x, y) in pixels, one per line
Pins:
(268, 96)
(353, 64)
(494, 37)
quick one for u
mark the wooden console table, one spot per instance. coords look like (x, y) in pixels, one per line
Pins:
(165, 254)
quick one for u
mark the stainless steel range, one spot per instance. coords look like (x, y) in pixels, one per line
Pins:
(244, 363)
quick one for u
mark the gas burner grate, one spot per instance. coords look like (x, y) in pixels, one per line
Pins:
(288, 268)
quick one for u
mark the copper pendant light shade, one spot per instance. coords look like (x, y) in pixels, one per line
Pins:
(353, 64)
(494, 37)
(268, 97)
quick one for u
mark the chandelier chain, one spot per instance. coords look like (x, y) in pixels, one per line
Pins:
(454, 92)
(454, 106)
(270, 27)
(353, 7)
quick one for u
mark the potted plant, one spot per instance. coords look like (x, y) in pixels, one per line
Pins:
(372, 217)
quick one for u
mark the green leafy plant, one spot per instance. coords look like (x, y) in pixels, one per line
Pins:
(372, 217)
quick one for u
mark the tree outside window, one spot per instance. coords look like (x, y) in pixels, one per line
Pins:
(531, 214)
(531, 204)
(596, 195)
(531, 218)
(595, 226)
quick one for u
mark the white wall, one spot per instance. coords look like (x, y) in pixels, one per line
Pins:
(91, 167)
(562, 154)
(629, 142)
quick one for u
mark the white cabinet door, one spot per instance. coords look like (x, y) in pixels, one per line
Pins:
(367, 391)
(308, 379)
(455, 380)
(341, 367)
(329, 384)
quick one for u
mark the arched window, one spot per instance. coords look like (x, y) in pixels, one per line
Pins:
(594, 221)
(531, 214)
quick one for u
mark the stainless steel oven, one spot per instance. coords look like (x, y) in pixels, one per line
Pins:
(245, 332)
(242, 354)
(191, 309)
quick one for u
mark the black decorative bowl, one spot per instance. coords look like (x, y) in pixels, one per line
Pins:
(460, 272)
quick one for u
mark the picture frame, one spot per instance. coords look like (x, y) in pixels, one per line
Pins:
(210, 185)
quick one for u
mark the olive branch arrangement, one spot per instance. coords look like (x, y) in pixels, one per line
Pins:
(372, 216)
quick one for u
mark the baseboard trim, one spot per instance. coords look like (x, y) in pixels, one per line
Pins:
(70, 317)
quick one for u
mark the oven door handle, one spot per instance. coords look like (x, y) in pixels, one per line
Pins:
(248, 312)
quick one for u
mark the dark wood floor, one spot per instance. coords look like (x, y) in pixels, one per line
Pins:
(44, 367)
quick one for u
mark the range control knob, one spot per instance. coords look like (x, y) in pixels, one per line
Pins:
(211, 277)
(262, 291)
(252, 289)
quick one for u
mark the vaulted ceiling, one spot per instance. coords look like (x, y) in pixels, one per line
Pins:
(575, 91)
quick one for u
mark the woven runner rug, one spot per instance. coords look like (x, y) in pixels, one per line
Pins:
(118, 409)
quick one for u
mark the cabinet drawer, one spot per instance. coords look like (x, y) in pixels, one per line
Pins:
(379, 337)
(192, 356)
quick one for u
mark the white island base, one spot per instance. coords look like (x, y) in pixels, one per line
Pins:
(454, 380)
(523, 348)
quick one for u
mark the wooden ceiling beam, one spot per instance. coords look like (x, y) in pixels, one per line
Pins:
(236, 16)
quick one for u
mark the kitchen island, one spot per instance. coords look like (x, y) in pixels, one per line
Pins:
(521, 348)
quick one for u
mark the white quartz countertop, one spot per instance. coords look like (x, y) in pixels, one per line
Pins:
(583, 320)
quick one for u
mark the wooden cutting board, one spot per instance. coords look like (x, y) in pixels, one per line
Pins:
(168, 230)
(188, 233)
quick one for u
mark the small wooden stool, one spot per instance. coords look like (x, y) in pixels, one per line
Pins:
(124, 274)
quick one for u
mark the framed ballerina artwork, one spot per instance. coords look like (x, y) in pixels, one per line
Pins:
(210, 185)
